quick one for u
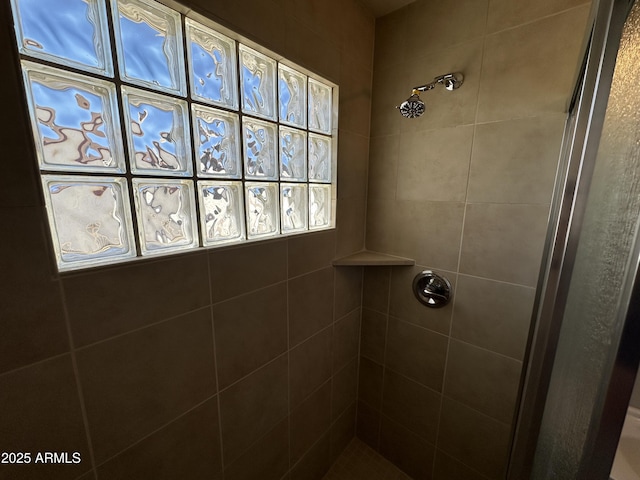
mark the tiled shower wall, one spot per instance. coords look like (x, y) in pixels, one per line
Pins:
(233, 363)
(465, 190)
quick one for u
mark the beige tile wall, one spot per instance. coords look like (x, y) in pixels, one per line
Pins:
(236, 363)
(464, 190)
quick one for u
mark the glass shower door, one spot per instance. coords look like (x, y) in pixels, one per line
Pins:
(593, 302)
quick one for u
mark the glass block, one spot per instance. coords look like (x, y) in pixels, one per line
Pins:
(292, 96)
(294, 207)
(166, 215)
(260, 149)
(319, 158)
(258, 83)
(320, 207)
(74, 119)
(212, 66)
(262, 209)
(149, 44)
(90, 220)
(319, 107)
(221, 212)
(67, 32)
(158, 133)
(293, 154)
(216, 135)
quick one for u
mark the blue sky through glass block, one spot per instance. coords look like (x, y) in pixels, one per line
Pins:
(144, 53)
(62, 28)
(253, 99)
(72, 107)
(208, 82)
(285, 98)
(156, 126)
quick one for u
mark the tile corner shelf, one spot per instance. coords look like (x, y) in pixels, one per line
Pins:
(367, 258)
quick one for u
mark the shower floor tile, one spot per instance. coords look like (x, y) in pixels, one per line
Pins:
(360, 462)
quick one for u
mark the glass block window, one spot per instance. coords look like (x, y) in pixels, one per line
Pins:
(197, 139)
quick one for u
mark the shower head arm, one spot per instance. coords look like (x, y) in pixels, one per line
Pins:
(450, 81)
(424, 88)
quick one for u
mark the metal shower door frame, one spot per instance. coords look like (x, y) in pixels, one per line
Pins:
(580, 148)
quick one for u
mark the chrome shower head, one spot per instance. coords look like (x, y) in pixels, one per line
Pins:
(412, 107)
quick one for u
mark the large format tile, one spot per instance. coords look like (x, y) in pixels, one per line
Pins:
(310, 299)
(417, 353)
(493, 315)
(374, 335)
(343, 431)
(107, 302)
(448, 468)
(266, 459)
(433, 165)
(348, 290)
(509, 13)
(33, 323)
(353, 144)
(358, 29)
(41, 413)
(310, 252)
(16, 138)
(412, 405)
(432, 26)
(309, 421)
(375, 292)
(368, 425)
(504, 242)
(252, 407)
(250, 331)
(316, 461)
(344, 384)
(428, 232)
(516, 75)
(307, 47)
(411, 453)
(479, 441)
(310, 366)
(482, 380)
(136, 383)
(258, 19)
(391, 87)
(391, 38)
(350, 225)
(515, 161)
(384, 156)
(239, 270)
(370, 377)
(186, 448)
(346, 340)
(381, 224)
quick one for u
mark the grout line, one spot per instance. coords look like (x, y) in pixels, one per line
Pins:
(143, 327)
(244, 377)
(160, 428)
(384, 352)
(462, 463)
(333, 372)
(537, 19)
(215, 357)
(289, 409)
(315, 334)
(34, 364)
(76, 373)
